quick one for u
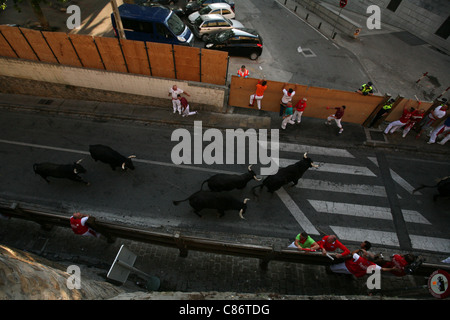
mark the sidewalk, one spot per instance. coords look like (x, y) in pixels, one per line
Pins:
(311, 131)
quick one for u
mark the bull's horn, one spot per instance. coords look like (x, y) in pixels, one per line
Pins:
(79, 161)
(250, 167)
(245, 200)
(123, 166)
(304, 156)
(75, 171)
(132, 156)
(314, 165)
(240, 214)
(257, 179)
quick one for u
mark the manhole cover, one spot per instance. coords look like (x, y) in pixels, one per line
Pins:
(308, 53)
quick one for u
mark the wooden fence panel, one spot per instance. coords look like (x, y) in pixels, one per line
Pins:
(214, 66)
(161, 60)
(5, 48)
(87, 51)
(40, 46)
(135, 54)
(358, 107)
(18, 43)
(111, 54)
(187, 63)
(62, 48)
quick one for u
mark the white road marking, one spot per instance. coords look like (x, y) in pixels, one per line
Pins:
(384, 238)
(296, 212)
(332, 152)
(369, 190)
(365, 211)
(430, 243)
(402, 182)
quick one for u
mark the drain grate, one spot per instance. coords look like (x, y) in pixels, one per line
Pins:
(308, 53)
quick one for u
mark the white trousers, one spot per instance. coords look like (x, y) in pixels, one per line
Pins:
(297, 116)
(186, 112)
(176, 105)
(436, 131)
(393, 126)
(258, 100)
(286, 120)
(338, 121)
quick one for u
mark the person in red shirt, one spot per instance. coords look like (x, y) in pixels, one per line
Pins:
(330, 244)
(298, 110)
(261, 86)
(416, 117)
(243, 72)
(399, 262)
(357, 266)
(184, 107)
(393, 126)
(79, 225)
(337, 116)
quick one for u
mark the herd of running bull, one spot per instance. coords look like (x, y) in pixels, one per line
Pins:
(217, 198)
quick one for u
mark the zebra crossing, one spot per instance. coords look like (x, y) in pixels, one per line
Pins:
(346, 211)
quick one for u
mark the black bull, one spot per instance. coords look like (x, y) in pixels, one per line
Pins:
(228, 182)
(213, 200)
(443, 187)
(62, 171)
(110, 156)
(291, 173)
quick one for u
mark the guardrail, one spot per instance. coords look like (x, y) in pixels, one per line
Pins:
(48, 218)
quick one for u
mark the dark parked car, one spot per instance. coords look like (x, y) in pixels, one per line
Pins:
(237, 42)
(198, 4)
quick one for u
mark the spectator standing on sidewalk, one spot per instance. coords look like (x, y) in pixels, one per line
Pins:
(287, 97)
(243, 72)
(298, 110)
(394, 125)
(441, 129)
(174, 92)
(337, 116)
(261, 86)
(384, 111)
(287, 118)
(438, 113)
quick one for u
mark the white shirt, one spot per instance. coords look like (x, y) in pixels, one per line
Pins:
(286, 98)
(438, 113)
(175, 93)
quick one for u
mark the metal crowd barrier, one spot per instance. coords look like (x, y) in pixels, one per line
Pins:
(48, 218)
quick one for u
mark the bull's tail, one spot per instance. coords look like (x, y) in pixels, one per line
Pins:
(177, 202)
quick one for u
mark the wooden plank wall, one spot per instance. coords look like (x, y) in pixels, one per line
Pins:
(146, 58)
(358, 107)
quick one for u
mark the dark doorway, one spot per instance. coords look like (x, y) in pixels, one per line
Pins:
(444, 29)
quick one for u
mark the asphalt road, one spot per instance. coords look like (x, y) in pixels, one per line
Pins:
(356, 194)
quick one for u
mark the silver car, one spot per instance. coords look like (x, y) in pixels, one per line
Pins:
(208, 24)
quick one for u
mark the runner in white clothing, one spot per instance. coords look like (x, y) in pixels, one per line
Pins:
(174, 92)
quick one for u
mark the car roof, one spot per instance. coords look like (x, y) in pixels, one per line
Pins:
(208, 17)
(245, 32)
(133, 11)
(219, 5)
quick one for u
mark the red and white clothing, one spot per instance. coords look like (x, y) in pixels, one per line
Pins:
(299, 108)
(79, 227)
(356, 266)
(333, 246)
(287, 96)
(416, 117)
(434, 115)
(337, 118)
(175, 102)
(185, 107)
(399, 262)
(443, 128)
(393, 126)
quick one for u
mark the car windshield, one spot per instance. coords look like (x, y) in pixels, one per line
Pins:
(224, 36)
(175, 24)
(205, 10)
(198, 21)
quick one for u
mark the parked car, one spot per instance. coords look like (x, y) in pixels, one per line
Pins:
(196, 5)
(221, 8)
(169, 4)
(208, 24)
(237, 42)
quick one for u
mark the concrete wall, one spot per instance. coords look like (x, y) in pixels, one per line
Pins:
(150, 91)
(422, 18)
